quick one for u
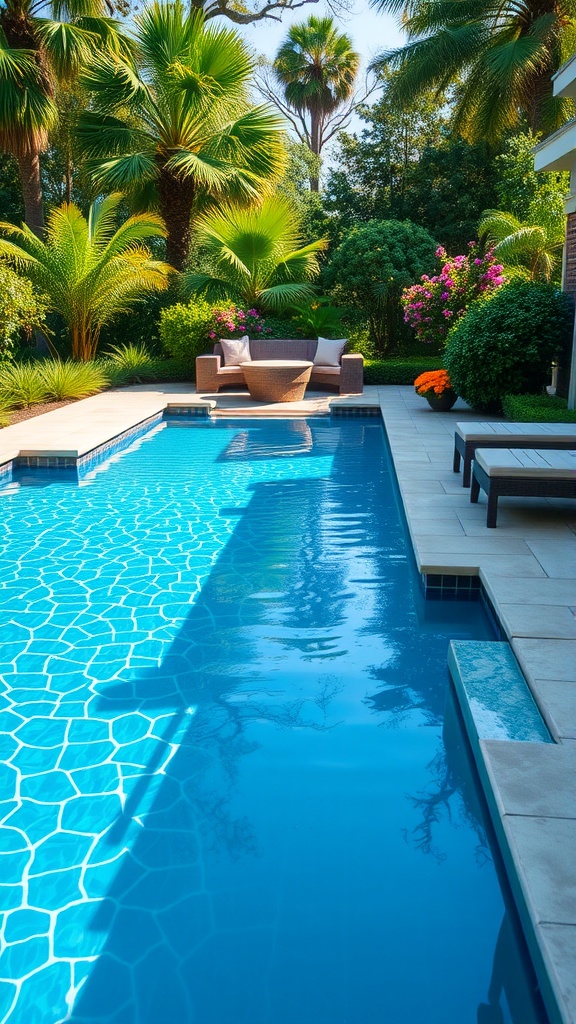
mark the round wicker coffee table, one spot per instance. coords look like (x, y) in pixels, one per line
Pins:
(277, 380)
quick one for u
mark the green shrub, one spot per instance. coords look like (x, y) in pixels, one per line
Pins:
(505, 344)
(72, 380)
(133, 361)
(171, 370)
(184, 329)
(537, 409)
(317, 317)
(280, 327)
(22, 384)
(370, 268)
(397, 371)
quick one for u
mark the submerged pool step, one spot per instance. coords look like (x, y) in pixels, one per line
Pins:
(493, 694)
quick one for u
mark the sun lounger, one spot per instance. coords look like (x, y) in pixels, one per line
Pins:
(526, 472)
(469, 436)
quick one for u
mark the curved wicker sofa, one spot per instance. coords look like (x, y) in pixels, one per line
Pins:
(347, 379)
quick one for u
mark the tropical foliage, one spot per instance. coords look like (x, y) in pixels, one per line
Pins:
(501, 58)
(89, 270)
(177, 131)
(68, 379)
(432, 307)
(37, 52)
(534, 250)
(318, 318)
(21, 310)
(506, 343)
(254, 256)
(372, 266)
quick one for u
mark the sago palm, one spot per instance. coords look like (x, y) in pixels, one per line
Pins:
(38, 51)
(499, 56)
(534, 250)
(179, 130)
(316, 67)
(90, 270)
(255, 256)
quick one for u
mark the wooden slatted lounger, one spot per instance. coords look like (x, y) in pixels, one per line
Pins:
(532, 473)
(470, 436)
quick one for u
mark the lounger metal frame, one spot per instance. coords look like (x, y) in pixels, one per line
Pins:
(516, 486)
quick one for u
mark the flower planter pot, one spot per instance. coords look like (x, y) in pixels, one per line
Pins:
(442, 402)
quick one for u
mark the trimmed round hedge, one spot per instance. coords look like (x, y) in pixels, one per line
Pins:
(504, 345)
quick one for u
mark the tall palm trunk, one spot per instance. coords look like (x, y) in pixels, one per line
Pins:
(315, 120)
(29, 171)
(176, 201)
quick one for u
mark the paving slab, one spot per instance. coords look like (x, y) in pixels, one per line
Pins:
(560, 943)
(557, 698)
(544, 851)
(538, 620)
(541, 591)
(527, 778)
(546, 659)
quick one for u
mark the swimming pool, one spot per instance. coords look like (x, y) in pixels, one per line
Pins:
(235, 786)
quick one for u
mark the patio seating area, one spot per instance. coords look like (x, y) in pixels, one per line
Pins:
(346, 377)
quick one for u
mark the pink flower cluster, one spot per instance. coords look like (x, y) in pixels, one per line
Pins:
(231, 322)
(433, 306)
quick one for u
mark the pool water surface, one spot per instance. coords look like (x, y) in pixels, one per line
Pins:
(234, 783)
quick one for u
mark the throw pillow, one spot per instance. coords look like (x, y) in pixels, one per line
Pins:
(236, 350)
(329, 352)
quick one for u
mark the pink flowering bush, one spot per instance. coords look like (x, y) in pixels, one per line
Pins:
(233, 322)
(439, 301)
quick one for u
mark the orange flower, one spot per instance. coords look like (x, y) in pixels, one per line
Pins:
(437, 381)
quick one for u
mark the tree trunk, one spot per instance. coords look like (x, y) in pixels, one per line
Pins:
(176, 200)
(29, 170)
(315, 147)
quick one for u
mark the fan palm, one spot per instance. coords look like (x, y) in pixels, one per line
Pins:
(180, 130)
(501, 55)
(256, 256)
(316, 67)
(89, 270)
(37, 52)
(534, 249)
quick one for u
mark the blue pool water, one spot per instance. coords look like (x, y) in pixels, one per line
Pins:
(235, 787)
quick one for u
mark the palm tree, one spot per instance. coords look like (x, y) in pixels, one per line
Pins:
(89, 270)
(256, 256)
(316, 67)
(533, 250)
(179, 131)
(37, 53)
(500, 57)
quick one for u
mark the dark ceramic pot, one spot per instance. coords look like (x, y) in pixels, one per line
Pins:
(443, 402)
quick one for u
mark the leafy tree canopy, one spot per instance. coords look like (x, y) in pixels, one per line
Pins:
(371, 267)
(409, 164)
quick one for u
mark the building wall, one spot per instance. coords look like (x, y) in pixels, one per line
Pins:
(570, 255)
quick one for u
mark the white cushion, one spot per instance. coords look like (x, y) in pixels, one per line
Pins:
(528, 433)
(236, 350)
(329, 352)
(527, 462)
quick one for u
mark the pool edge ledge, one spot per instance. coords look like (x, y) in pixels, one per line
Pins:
(521, 829)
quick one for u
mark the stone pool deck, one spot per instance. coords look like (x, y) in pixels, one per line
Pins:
(528, 569)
